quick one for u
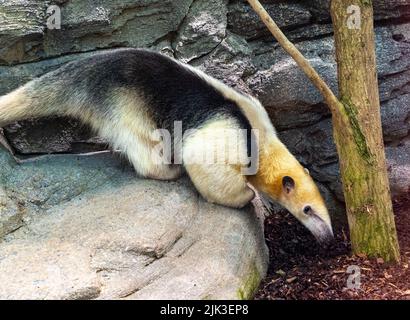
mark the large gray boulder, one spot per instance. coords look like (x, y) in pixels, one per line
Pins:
(87, 228)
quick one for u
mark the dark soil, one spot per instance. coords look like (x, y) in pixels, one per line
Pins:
(300, 269)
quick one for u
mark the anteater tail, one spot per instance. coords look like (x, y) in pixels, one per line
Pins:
(28, 101)
(15, 106)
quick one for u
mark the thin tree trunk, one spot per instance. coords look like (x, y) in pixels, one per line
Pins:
(356, 127)
(361, 149)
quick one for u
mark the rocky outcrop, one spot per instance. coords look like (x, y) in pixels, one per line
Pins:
(92, 230)
(202, 30)
(85, 26)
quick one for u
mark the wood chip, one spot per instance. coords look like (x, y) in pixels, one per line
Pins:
(290, 280)
(304, 271)
(391, 284)
(406, 293)
(339, 271)
(281, 272)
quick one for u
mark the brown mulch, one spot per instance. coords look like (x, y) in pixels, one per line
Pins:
(300, 269)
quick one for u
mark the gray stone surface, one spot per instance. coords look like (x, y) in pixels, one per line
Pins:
(398, 159)
(64, 135)
(92, 230)
(272, 87)
(202, 30)
(11, 214)
(85, 26)
(383, 9)
(22, 26)
(396, 118)
(243, 21)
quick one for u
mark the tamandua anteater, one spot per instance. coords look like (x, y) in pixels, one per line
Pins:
(126, 95)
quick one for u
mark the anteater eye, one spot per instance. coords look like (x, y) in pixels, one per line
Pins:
(307, 210)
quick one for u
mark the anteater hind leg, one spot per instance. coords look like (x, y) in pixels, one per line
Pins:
(141, 156)
(130, 131)
(138, 148)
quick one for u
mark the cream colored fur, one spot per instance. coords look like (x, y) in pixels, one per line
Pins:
(13, 106)
(221, 181)
(130, 130)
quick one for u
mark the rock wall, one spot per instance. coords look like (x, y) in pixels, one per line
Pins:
(227, 40)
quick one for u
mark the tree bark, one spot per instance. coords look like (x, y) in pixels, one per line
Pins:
(360, 140)
(356, 127)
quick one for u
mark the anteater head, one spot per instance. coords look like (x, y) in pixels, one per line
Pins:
(282, 179)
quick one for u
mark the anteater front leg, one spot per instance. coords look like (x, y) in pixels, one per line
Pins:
(219, 180)
(142, 157)
(221, 184)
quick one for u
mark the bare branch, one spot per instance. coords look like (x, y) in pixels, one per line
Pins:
(330, 98)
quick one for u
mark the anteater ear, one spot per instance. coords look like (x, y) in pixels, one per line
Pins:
(288, 184)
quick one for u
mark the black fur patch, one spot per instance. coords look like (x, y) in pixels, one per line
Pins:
(173, 93)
